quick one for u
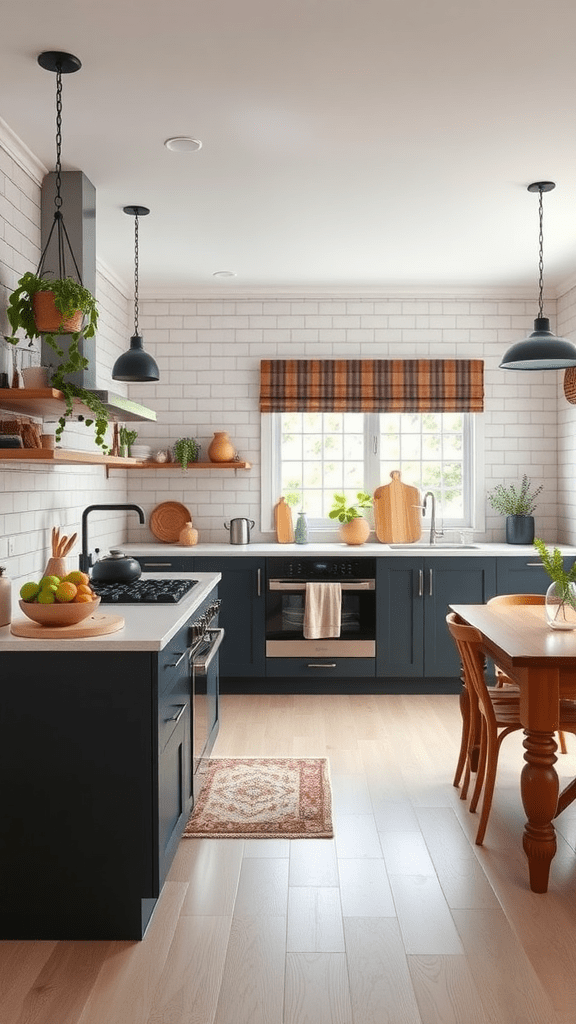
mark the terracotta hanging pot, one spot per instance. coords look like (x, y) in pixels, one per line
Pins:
(49, 320)
(221, 448)
(356, 531)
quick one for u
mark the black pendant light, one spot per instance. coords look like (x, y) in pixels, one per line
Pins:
(136, 364)
(61, 64)
(541, 350)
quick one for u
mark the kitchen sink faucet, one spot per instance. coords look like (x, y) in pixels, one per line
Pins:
(433, 532)
(85, 558)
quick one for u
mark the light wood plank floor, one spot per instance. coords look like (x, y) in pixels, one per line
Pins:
(400, 919)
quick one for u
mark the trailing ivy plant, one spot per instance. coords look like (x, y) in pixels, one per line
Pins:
(69, 297)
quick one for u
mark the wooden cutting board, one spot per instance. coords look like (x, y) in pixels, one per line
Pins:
(95, 625)
(396, 519)
(283, 522)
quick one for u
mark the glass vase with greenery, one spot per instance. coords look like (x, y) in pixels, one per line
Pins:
(561, 594)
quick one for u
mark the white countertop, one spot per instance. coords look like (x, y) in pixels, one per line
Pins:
(372, 550)
(148, 627)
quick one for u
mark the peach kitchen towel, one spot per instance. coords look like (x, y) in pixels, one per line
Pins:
(322, 610)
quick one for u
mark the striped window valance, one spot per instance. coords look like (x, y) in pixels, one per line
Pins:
(372, 385)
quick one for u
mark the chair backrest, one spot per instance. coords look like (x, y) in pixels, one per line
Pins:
(518, 599)
(469, 643)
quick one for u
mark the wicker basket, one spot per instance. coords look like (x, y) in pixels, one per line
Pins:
(570, 384)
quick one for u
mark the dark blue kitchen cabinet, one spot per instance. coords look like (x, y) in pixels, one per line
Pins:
(525, 575)
(242, 613)
(414, 595)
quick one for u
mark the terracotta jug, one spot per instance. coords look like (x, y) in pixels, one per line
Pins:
(221, 448)
(188, 536)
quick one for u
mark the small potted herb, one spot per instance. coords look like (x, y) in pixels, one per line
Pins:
(72, 311)
(518, 505)
(186, 450)
(355, 529)
(561, 594)
(127, 437)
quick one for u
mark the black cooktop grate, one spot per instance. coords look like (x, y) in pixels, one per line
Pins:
(143, 591)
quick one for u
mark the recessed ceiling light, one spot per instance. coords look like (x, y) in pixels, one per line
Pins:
(183, 144)
(224, 273)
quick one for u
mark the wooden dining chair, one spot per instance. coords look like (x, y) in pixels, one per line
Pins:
(498, 716)
(502, 680)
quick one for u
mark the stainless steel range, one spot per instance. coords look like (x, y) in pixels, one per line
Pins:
(156, 591)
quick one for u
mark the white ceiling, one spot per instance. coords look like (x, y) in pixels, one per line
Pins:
(357, 144)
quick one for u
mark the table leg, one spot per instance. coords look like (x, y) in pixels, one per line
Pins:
(539, 787)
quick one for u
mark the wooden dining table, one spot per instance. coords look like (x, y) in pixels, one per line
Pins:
(542, 661)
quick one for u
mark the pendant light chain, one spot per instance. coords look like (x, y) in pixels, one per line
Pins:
(136, 331)
(59, 62)
(58, 197)
(541, 260)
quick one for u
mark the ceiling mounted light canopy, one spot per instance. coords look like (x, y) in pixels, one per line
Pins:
(541, 350)
(135, 364)
(61, 64)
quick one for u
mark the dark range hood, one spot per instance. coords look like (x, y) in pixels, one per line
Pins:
(79, 205)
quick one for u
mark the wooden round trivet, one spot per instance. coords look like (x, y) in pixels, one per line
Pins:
(167, 519)
(95, 625)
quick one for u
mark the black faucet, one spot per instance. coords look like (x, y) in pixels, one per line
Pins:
(85, 558)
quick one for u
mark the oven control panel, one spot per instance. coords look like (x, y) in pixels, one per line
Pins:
(321, 568)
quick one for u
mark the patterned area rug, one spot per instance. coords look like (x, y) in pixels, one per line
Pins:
(264, 798)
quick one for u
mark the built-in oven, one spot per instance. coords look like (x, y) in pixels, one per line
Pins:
(286, 596)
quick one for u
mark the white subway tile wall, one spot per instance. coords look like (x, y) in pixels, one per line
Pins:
(209, 351)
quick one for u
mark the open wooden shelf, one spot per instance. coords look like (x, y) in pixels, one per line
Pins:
(191, 467)
(49, 404)
(60, 456)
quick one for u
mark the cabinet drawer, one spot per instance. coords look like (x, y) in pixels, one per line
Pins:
(173, 658)
(160, 563)
(320, 668)
(172, 706)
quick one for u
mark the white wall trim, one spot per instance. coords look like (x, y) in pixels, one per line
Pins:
(19, 152)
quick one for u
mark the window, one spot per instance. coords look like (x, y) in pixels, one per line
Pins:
(310, 456)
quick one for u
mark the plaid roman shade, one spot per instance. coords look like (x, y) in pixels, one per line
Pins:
(371, 385)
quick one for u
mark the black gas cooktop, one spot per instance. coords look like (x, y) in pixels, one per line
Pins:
(143, 591)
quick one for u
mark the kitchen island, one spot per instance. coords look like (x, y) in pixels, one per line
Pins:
(97, 771)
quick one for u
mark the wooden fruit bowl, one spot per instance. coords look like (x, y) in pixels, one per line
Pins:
(59, 614)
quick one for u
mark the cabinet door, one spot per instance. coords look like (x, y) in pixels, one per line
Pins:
(174, 790)
(448, 581)
(524, 575)
(399, 617)
(241, 590)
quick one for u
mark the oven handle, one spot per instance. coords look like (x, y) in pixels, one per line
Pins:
(358, 585)
(216, 637)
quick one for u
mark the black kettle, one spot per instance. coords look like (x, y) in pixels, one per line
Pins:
(116, 568)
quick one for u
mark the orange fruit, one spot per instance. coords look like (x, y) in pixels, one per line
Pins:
(77, 577)
(82, 599)
(65, 591)
(83, 588)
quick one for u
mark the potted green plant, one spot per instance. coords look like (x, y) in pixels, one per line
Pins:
(72, 311)
(355, 529)
(185, 450)
(561, 594)
(518, 505)
(126, 437)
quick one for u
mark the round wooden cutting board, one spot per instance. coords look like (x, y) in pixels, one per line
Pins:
(167, 519)
(95, 625)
